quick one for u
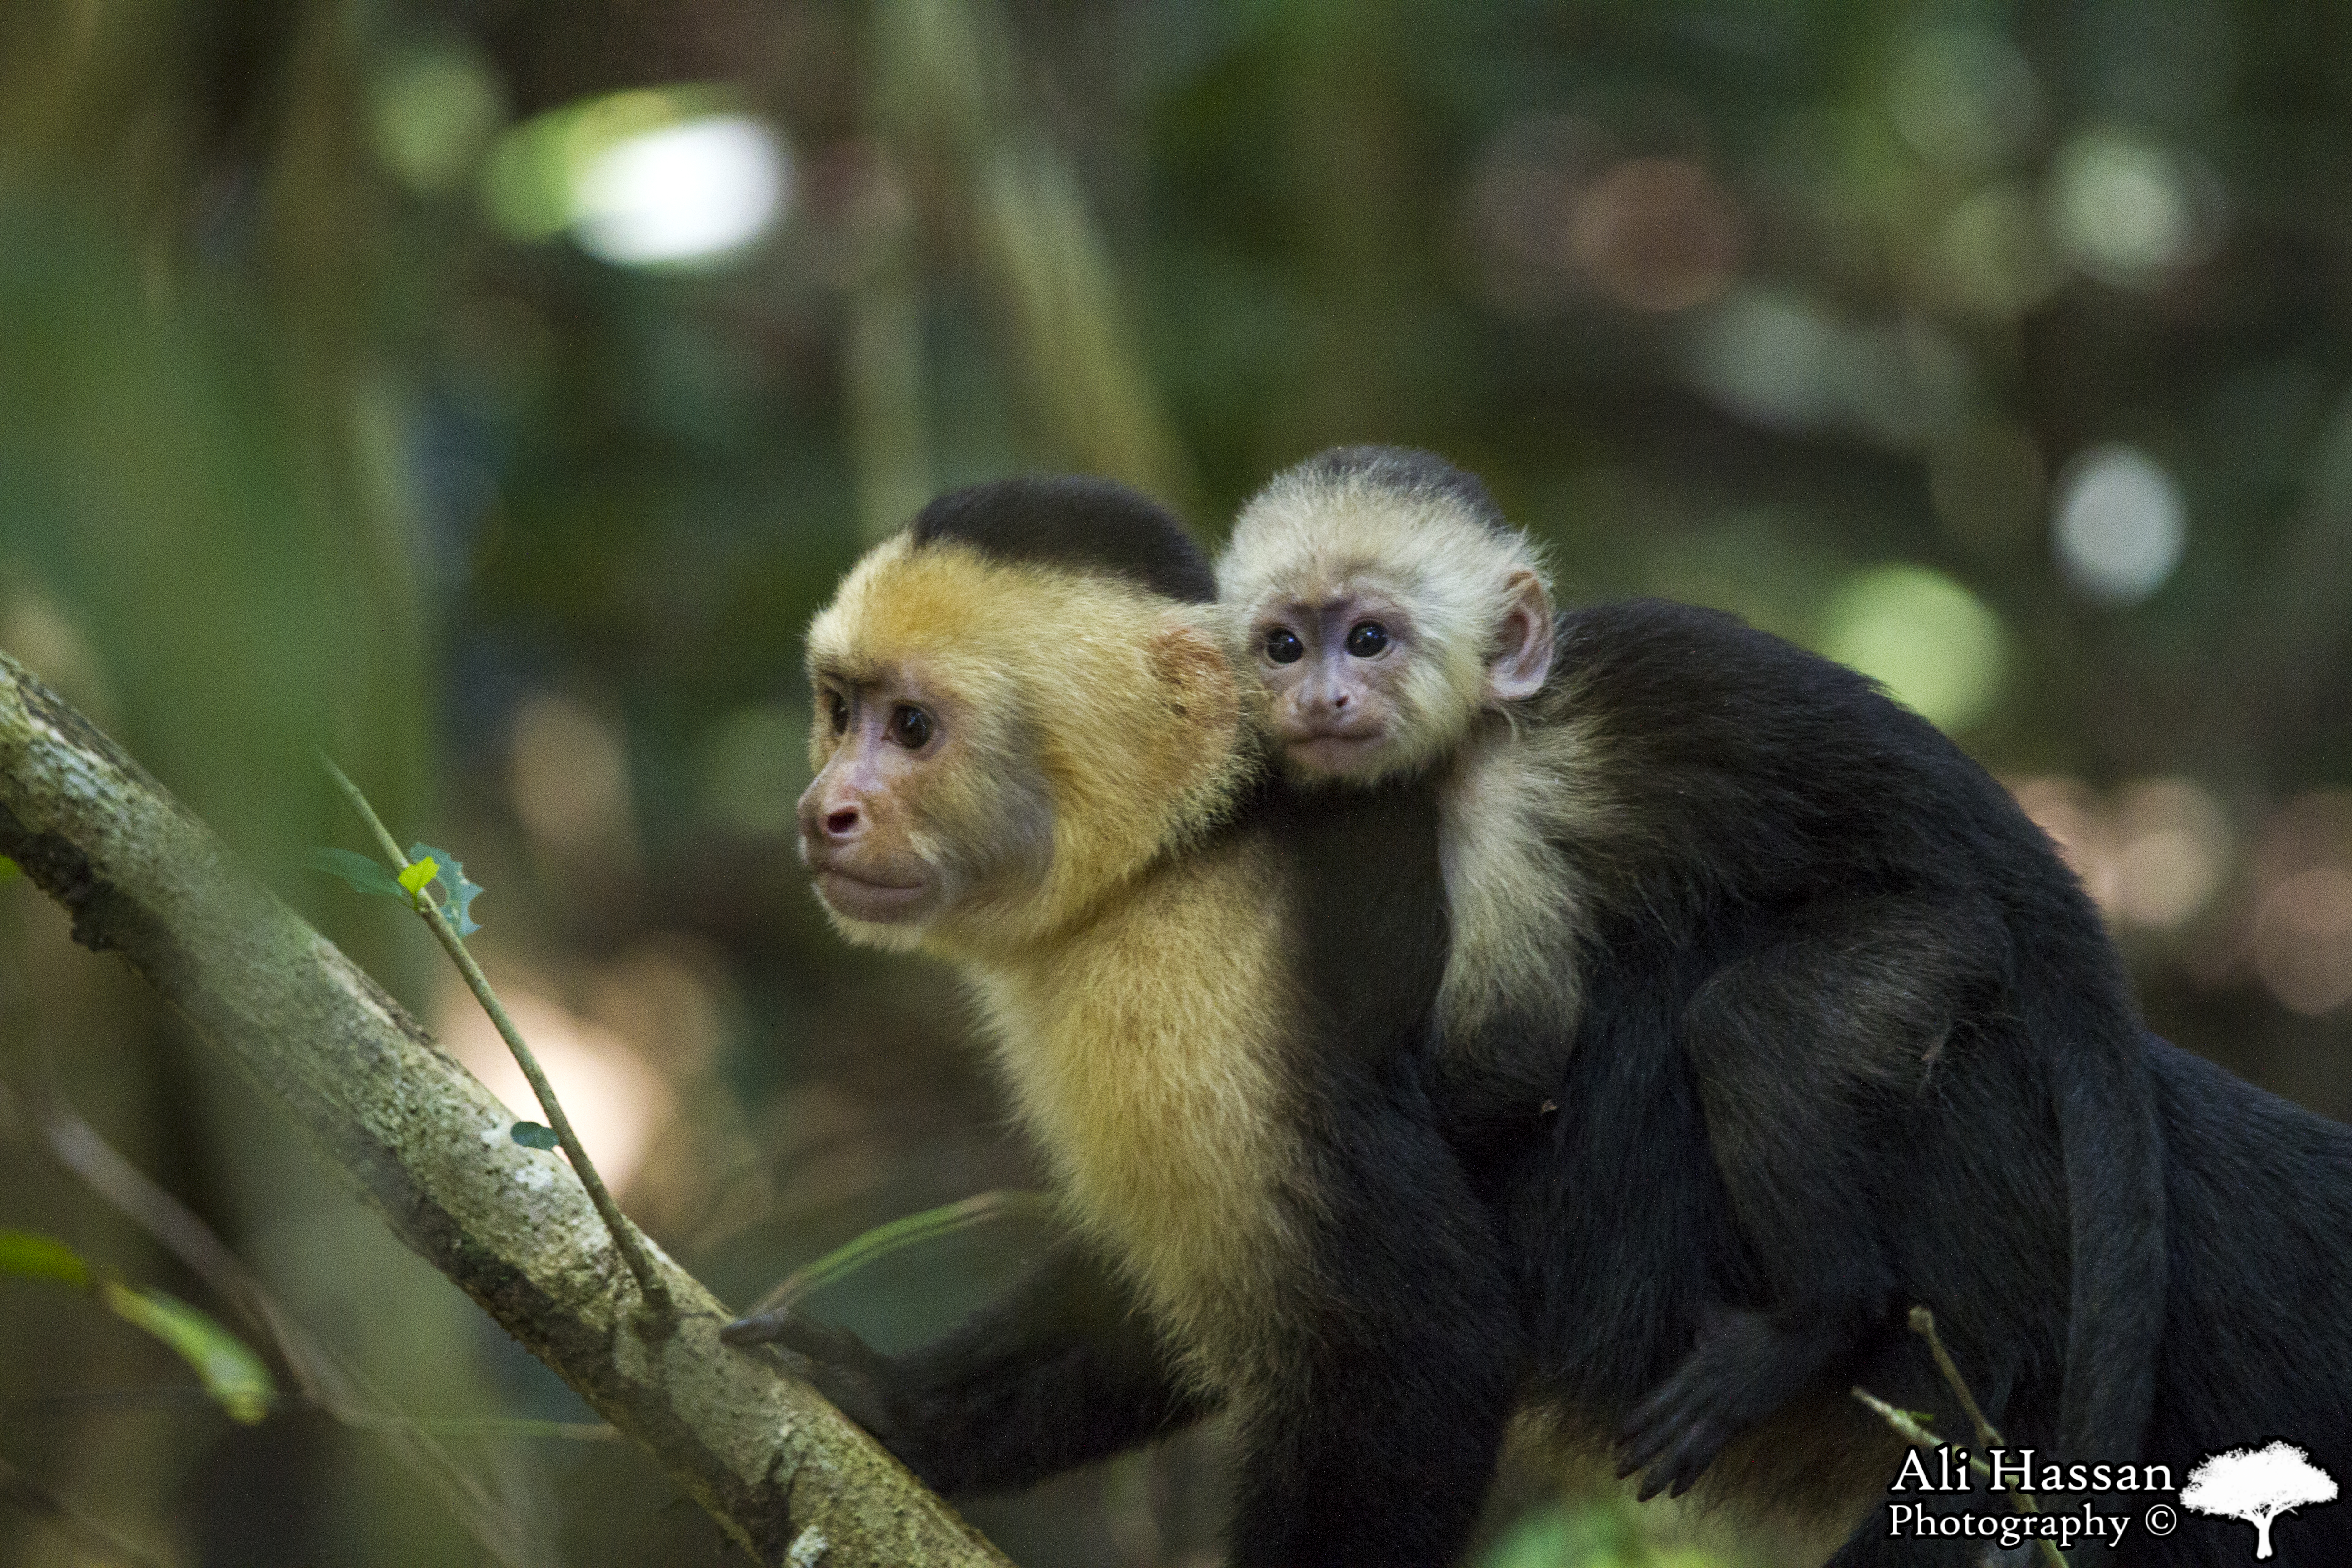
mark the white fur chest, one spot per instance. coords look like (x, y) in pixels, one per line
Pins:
(1516, 902)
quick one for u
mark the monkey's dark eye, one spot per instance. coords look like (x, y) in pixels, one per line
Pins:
(911, 727)
(1283, 647)
(1365, 638)
(837, 711)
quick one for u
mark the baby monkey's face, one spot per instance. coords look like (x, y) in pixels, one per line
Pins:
(1334, 673)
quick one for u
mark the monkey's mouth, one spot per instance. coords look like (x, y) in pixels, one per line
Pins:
(1296, 734)
(1333, 748)
(869, 899)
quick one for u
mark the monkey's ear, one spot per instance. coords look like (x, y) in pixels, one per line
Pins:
(1523, 640)
(1200, 683)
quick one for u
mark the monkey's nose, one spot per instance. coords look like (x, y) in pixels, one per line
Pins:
(842, 823)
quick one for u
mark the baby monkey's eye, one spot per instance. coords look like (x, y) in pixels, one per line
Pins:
(837, 711)
(1365, 638)
(910, 726)
(1283, 647)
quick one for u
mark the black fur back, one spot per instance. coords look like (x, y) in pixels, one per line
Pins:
(1820, 917)
(1092, 525)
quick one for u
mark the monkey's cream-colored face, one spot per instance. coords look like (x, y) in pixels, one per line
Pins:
(1357, 686)
(1334, 673)
(914, 810)
(881, 742)
(994, 744)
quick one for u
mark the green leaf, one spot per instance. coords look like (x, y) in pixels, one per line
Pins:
(418, 874)
(231, 1373)
(39, 1257)
(982, 1209)
(457, 906)
(533, 1135)
(8, 869)
(364, 874)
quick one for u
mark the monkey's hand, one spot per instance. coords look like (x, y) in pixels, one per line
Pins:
(844, 1368)
(1743, 1368)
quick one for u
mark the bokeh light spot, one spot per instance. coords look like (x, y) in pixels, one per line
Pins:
(571, 779)
(1990, 260)
(1658, 234)
(2121, 525)
(649, 178)
(2303, 939)
(1771, 356)
(1929, 641)
(1965, 99)
(431, 114)
(615, 1098)
(2125, 210)
(2172, 850)
(692, 192)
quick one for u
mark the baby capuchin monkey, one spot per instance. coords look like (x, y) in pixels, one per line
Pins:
(1767, 1013)
(1389, 610)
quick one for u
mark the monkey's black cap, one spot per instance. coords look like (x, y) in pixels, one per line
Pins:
(1078, 524)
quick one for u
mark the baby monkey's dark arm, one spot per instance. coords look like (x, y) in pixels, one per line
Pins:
(1799, 1050)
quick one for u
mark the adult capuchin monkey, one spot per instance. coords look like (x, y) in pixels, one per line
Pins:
(1209, 993)
(1211, 1011)
(1768, 1015)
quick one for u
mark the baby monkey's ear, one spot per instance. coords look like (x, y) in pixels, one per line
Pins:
(1522, 640)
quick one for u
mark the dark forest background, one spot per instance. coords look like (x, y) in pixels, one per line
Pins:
(488, 392)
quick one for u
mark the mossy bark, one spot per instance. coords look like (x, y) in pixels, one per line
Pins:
(782, 1471)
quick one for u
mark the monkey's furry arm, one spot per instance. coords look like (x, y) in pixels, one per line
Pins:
(1376, 1444)
(1061, 1371)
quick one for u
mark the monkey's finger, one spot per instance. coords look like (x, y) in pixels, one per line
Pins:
(1654, 1425)
(1679, 1468)
(763, 1328)
(803, 1335)
(1666, 1475)
(1690, 1459)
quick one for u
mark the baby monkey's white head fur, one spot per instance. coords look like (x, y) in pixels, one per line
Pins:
(1384, 603)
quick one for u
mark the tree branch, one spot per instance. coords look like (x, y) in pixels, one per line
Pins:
(784, 1474)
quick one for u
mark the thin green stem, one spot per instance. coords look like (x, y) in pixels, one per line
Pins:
(1923, 1323)
(624, 1235)
(1907, 1427)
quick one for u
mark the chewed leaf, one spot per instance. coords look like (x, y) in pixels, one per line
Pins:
(533, 1135)
(364, 874)
(232, 1374)
(457, 894)
(39, 1257)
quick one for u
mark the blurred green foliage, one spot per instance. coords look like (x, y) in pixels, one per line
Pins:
(231, 1374)
(487, 391)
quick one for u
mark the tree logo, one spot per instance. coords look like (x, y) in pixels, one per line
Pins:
(2257, 1485)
